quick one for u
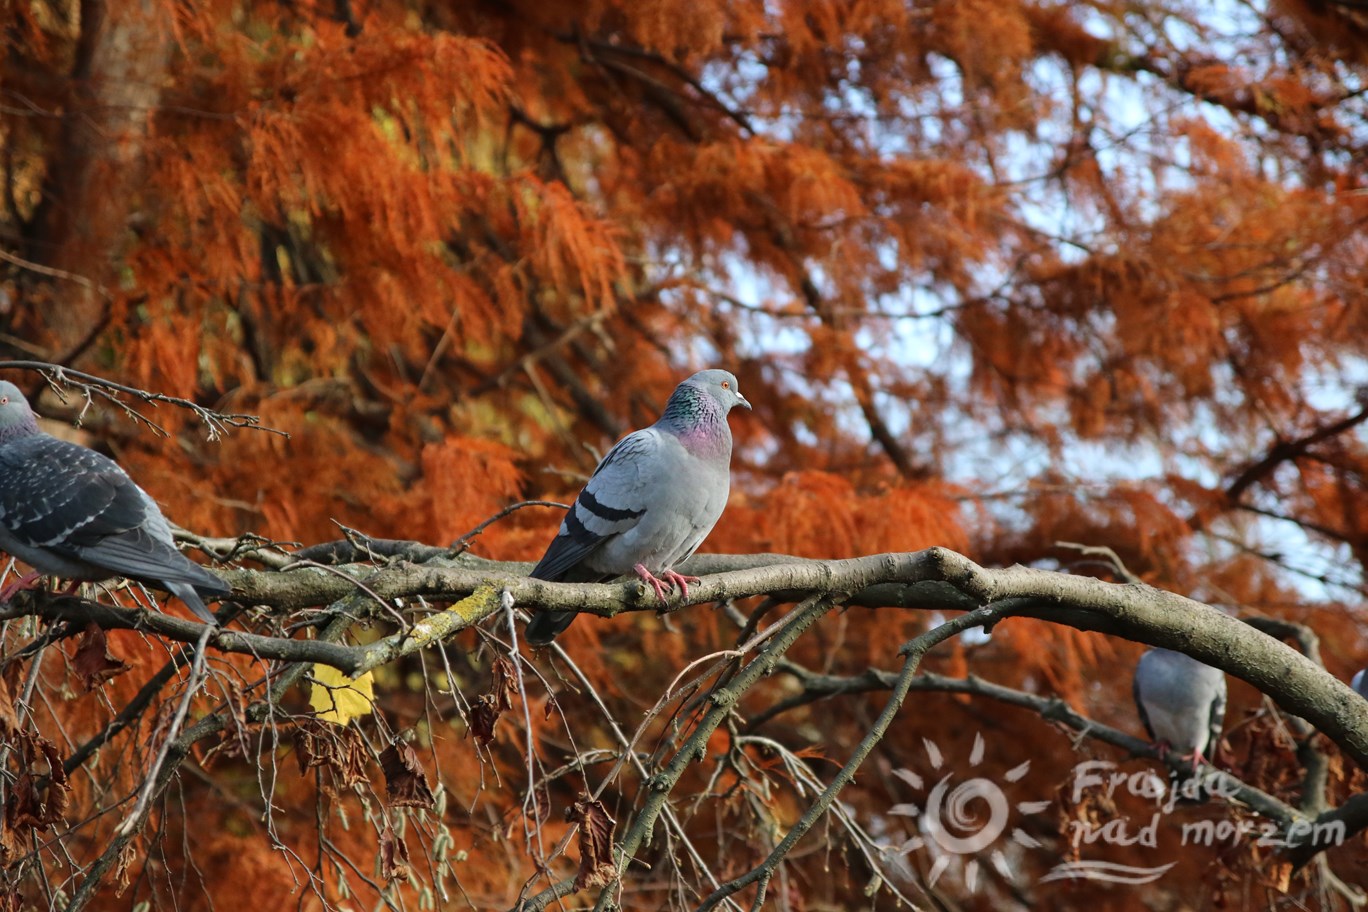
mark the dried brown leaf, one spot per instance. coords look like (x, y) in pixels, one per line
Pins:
(484, 715)
(394, 855)
(123, 875)
(24, 809)
(9, 721)
(503, 674)
(93, 661)
(339, 750)
(10, 848)
(405, 782)
(58, 788)
(595, 842)
(236, 740)
(39, 797)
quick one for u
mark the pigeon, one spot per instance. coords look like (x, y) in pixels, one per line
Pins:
(1359, 684)
(71, 512)
(1181, 702)
(651, 501)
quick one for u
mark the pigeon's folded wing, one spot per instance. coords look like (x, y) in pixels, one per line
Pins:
(1138, 696)
(614, 500)
(76, 503)
(57, 495)
(1217, 717)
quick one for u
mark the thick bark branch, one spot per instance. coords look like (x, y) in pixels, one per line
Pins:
(933, 579)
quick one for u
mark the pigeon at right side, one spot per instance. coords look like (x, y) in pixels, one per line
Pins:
(1359, 683)
(651, 501)
(1181, 702)
(70, 512)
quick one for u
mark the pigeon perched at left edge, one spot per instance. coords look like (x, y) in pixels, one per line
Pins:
(70, 512)
(1181, 701)
(651, 501)
(1359, 683)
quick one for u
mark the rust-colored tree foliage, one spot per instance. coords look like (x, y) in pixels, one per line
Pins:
(1080, 287)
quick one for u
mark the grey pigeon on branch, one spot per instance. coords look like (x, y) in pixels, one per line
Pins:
(651, 501)
(1181, 702)
(1359, 683)
(72, 513)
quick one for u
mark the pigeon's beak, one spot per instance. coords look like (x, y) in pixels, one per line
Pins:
(741, 400)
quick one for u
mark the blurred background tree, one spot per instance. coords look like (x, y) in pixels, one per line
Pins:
(996, 275)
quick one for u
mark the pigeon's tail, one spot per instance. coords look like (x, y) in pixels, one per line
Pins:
(188, 594)
(545, 626)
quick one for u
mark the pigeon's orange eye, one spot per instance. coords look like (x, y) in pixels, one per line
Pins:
(726, 384)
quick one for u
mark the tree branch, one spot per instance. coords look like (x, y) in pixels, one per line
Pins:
(932, 579)
(1052, 709)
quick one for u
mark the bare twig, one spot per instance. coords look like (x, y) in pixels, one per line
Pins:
(914, 651)
(134, 820)
(461, 544)
(58, 377)
(206, 727)
(50, 272)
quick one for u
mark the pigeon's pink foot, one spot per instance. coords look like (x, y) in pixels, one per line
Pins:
(683, 582)
(649, 578)
(24, 582)
(1198, 760)
(1162, 748)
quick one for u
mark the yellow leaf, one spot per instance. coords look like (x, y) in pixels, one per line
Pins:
(337, 698)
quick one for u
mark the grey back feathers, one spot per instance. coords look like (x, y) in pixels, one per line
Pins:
(70, 512)
(653, 498)
(1359, 683)
(1181, 701)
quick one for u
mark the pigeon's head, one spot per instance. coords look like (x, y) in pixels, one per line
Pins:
(720, 385)
(15, 414)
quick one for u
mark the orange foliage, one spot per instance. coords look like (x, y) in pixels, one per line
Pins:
(996, 276)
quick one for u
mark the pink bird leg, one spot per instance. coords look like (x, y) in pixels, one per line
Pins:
(649, 578)
(683, 582)
(663, 583)
(24, 582)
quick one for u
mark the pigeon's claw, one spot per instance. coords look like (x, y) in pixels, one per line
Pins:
(683, 582)
(661, 587)
(1198, 759)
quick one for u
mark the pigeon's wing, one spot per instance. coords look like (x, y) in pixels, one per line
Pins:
(140, 554)
(79, 504)
(57, 495)
(615, 499)
(1216, 718)
(1137, 693)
